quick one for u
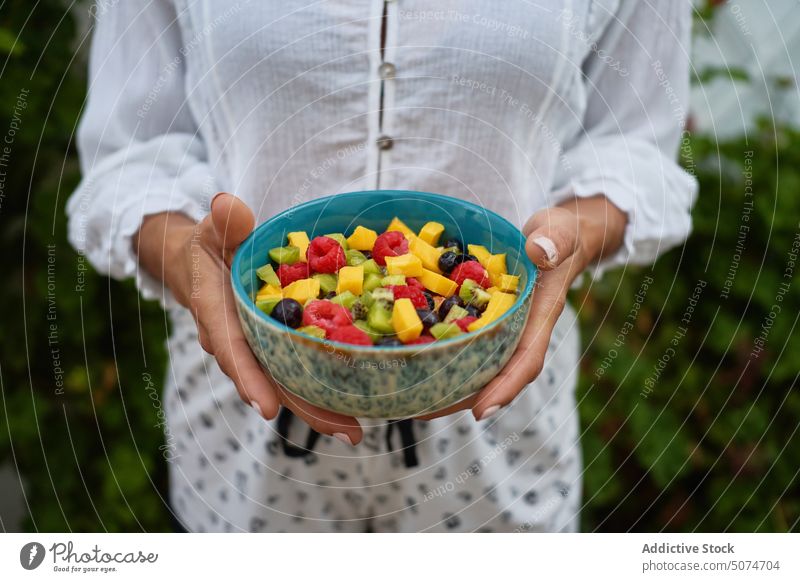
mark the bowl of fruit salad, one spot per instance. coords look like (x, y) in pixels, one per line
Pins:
(384, 303)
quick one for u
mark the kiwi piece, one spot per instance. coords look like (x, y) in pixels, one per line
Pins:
(466, 290)
(393, 280)
(372, 281)
(370, 266)
(285, 255)
(327, 282)
(379, 318)
(268, 275)
(480, 298)
(268, 304)
(382, 294)
(355, 258)
(443, 330)
(456, 312)
(345, 299)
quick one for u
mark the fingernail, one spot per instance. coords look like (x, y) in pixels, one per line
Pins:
(489, 411)
(342, 436)
(217, 195)
(256, 407)
(548, 246)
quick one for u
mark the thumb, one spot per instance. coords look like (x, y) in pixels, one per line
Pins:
(552, 237)
(233, 221)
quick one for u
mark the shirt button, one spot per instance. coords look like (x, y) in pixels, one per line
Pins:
(384, 142)
(387, 71)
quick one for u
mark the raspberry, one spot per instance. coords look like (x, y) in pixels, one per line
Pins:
(413, 282)
(327, 315)
(470, 270)
(325, 255)
(389, 244)
(350, 334)
(288, 274)
(423, 339)
(464, 322)
(404, 291)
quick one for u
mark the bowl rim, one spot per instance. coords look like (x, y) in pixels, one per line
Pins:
(244, 298)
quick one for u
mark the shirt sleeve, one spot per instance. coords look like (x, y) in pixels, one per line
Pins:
(636, 78)
(138, 143)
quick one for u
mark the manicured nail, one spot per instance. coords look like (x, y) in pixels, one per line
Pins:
(256, 407)
(217, 195)
(489, 411)
(342, 436)
(548, 246)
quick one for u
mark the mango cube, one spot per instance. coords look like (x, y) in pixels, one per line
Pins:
(351, 279)
(437, 283)
(302, 290)
(431, 232)
(426, 253)
(479, 252)
(400, 226)
(362, 239)
(492, 290)
(300, 240)
(408, 265)
(496, 264)
(498, 305)
(508, 283)
(269, 291)
(405, 321)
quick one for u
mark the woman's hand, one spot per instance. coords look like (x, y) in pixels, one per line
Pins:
(194, 262)
(562, 241)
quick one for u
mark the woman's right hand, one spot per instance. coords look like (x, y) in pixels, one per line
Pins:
(194, 262)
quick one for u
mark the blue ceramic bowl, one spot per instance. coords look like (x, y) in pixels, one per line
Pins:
(380, 381)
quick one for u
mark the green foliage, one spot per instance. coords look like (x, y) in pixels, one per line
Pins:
(76, 418)
(713, 445)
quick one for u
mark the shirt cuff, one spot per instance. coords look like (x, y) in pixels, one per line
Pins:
(620, 197)
(129, 220)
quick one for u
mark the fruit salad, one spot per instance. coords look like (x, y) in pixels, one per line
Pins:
(390, 289)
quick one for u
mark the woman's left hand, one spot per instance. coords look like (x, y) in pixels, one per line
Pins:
(562, 241)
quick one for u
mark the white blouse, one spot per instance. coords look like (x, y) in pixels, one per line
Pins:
(514, 105)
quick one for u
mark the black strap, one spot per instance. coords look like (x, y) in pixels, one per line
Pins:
(409, 448)
(285, 417)
(405, 428)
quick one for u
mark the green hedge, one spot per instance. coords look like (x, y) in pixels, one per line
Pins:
(705, 440)
(84, 437)
(706, 437)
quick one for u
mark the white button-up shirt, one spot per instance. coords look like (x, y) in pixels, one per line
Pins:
(513, 105)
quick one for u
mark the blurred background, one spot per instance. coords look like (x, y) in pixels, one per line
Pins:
(685, 427)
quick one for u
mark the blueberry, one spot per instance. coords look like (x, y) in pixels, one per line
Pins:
(447, 304)
(448, 261)
(389, 341)
(429, 299)
(288, 312)
(367, 254)
(454, 242)
(330, 295)
(473, 311)
(467, 257)
(428, 318)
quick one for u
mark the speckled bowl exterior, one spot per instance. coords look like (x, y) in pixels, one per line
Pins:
(382, 382)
